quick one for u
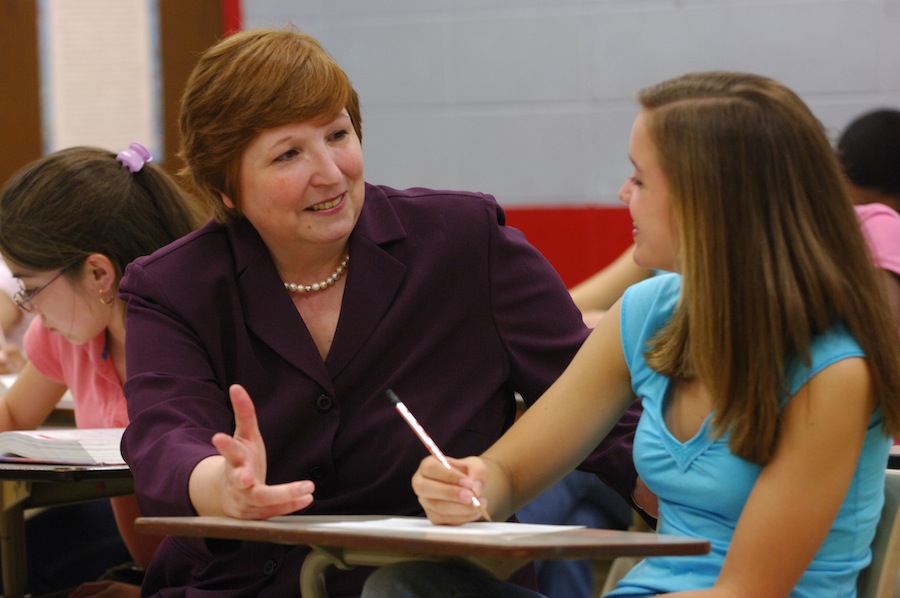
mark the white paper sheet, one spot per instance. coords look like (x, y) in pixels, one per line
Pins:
(417, 526)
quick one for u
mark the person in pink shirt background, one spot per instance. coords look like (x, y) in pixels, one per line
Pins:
(881, 227)
(869, 150)
(69, 224)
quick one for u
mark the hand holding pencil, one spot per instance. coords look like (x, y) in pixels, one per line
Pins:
(432, 447)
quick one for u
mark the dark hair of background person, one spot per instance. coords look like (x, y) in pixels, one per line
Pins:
(869, 151)
(60, 209)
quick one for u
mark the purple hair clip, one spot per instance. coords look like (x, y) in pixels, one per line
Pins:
(135, 156)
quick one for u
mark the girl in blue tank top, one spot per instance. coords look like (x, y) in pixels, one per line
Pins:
(767, 364)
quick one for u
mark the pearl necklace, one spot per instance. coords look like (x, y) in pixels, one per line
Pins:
(319, 286)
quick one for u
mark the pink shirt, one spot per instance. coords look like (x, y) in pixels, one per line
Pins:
(881, 227)
(86, 370)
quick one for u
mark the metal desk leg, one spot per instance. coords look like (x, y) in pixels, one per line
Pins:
(12, 539)
(312, 573)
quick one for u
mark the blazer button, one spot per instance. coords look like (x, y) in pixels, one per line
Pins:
(324, 403)
(269, 567)
(317, 473)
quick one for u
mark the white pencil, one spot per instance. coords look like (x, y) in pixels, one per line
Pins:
(432, 447)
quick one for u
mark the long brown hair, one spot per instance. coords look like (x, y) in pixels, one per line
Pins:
(771, 250)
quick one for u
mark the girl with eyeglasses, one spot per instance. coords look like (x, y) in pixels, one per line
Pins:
(69, 224)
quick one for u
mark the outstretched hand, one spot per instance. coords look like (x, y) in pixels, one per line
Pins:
(238, 477)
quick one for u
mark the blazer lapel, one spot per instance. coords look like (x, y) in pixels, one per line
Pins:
(377, 270)
(372, 281)
(268, 310)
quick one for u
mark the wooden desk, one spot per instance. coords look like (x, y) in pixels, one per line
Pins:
(25, 486)
(346, 548)
(894, 458)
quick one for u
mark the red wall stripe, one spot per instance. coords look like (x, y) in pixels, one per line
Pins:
(576, 240)
(231, 17)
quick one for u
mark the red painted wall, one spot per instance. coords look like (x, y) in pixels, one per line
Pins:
(231, 16)
(576, 240)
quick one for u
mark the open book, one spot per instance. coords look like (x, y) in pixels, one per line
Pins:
(71, 446)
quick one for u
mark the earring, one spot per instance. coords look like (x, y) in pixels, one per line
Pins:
(105, 302)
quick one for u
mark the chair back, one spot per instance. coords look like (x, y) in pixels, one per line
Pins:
(881, 579)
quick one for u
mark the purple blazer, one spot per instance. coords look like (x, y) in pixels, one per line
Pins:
(443, 303)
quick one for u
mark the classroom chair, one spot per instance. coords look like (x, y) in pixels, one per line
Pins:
(881, 579)
(623, 564)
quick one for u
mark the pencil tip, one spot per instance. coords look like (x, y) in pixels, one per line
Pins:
(392, 396)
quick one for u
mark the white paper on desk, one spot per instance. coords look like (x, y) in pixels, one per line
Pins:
(419, 525)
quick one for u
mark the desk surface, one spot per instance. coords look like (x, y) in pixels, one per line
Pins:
(345, 547)
(28, 485)
(580, 543)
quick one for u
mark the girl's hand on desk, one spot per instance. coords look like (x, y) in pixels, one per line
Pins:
(446, 494)
(241, 471)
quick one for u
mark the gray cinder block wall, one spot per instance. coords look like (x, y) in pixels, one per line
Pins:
(532, 100)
